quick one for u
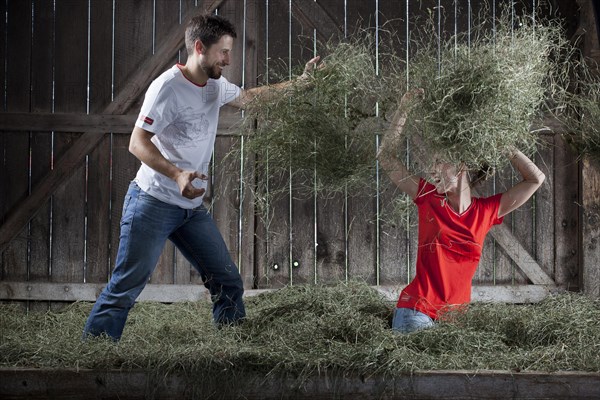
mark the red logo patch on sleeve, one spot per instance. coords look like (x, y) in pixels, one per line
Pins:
(146, 119)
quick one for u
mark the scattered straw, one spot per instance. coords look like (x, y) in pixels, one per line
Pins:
(302, 330)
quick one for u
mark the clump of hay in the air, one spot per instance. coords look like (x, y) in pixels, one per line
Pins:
(583, 115)
(482, 98)
(305, 331)
(589, 133)
(319, 135)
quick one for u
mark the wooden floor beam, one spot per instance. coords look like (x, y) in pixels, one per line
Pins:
(53, 383)
(49, 291)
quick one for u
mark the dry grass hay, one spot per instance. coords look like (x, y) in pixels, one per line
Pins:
(482, 98)
(320, 137)
(302, 330)
(583, 116)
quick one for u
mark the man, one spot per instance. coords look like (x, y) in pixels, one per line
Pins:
(174, 139)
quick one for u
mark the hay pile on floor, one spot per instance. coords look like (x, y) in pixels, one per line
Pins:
(303, 330)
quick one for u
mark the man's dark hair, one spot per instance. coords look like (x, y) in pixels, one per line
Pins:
(208, 28)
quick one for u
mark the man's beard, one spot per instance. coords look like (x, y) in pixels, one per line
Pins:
(213, 71)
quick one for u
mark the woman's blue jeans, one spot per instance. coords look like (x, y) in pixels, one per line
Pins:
(407, 320)
(146, 225)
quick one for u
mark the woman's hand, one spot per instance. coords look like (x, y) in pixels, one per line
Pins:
(411, 97)
(310, 67)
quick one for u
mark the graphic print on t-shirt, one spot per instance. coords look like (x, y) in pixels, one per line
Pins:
(190, 129)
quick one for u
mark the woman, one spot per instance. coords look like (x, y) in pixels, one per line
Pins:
(452, 226)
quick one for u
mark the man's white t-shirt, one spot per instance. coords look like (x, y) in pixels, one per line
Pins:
(183, 117)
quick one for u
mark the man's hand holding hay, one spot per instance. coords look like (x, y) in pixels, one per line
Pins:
(250, 95)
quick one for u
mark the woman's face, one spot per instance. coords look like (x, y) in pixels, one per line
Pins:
(445, 177)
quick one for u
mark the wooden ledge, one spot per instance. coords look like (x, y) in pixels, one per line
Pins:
(231, 384)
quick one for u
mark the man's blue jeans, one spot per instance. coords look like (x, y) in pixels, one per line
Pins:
(407, 320)
(146, 225)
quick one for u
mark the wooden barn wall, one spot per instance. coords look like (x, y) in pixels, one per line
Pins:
(74, 56)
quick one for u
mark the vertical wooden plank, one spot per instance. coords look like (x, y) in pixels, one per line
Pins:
(331, 251)
(544, 247)
(227, 177)
(133, 41)
(521, 222)
(3, 105)
(566, 212)
(523, 217)
(590, 236)
(261, 233)
(307, 229)
(133, 44)
(98, 194)
(395, 263)
(253, 18)
(68, 218)
(166, 14)
(331, 239)
(496, 266)
(568, 222)
(395, 238)
(183, 270)
(362, 215)
(274, 269)
(227, 195)
(41, 142)
(590, 177)
(303, 240)
(315, 221)
(3, 54)
(15, 162)
(265, 259)
(304, 221)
